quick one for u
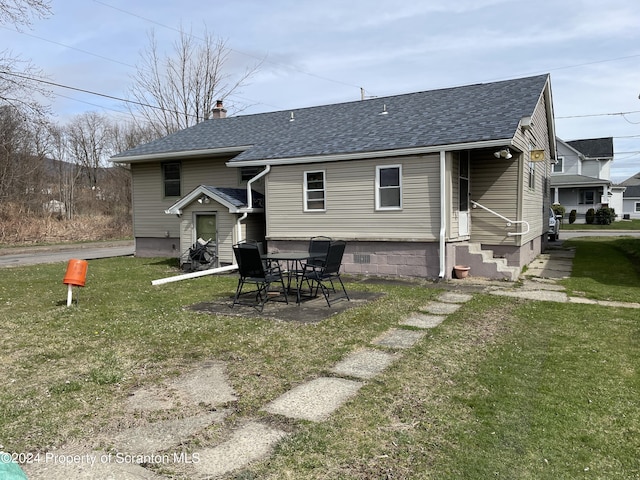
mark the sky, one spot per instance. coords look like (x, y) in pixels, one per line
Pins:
(314, 53)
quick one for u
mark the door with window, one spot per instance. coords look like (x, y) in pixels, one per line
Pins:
(206, 226)
(464, 217)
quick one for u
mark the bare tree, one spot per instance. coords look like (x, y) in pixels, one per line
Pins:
(174, 92)
(17, 77)
(90, 140)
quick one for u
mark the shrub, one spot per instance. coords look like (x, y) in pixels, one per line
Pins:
(590, 216)
(572, 216)
(558, 210)
(605, 215)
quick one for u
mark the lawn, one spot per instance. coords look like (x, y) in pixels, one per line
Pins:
(503, 388)
(620, 225)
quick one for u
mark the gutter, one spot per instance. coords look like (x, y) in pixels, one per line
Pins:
(443, 221)
(249, 202)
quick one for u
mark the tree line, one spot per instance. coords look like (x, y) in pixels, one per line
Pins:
(50, 168)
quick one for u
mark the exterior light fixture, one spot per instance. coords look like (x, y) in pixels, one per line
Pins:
(504, 153)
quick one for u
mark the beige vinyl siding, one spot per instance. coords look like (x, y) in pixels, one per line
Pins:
(536, 199)
(494, 184)
(503, 186)
(453, 179)
(149, 203)
(350, 201)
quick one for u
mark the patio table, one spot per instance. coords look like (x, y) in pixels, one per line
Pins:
(295, 263)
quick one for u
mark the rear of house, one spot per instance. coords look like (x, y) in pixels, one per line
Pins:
(415, 183)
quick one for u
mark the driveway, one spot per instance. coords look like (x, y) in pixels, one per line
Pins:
(22, 256)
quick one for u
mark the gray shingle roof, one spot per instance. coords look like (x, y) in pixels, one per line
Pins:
(632, 191)
(577, 180)
(237, 196)
(594, 147)
(472, 113)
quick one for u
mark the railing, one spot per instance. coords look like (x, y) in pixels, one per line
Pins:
(509, 222)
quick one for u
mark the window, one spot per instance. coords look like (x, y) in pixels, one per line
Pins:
(389, 187)
(587, 197)
(532, 174)
(247, 173)
(558, 167)
(171, 179)
(314, 191)
(637, 207)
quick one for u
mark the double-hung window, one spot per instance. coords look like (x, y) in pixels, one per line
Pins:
(389, 187)
(558, 167)
(171, 179)
(314, 191)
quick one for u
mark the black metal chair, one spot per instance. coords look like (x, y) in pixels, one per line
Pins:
(323, 276)
(319, 246)
(253, 270)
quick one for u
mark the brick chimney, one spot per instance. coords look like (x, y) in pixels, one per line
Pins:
(219, 111)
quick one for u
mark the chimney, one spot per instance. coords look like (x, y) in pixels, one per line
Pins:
(219, 111)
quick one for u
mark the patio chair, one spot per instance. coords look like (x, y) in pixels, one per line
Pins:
(253, 270)
(323, 276)
(319, 245)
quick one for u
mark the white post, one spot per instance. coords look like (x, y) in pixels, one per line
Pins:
(69, 295)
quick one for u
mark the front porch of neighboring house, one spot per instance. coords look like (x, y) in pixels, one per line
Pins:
(581, 197)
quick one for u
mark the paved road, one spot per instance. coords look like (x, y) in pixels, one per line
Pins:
(17, 257)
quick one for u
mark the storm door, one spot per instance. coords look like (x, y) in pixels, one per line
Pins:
(206, 226)
(463, 189)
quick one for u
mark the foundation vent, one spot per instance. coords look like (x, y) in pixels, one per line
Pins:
(361, 258)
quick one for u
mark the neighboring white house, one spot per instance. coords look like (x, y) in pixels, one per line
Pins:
(581, 177)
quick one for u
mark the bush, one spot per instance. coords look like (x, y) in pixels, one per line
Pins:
(605, 215)
(572, 216)
(558, 209)
(590, 216)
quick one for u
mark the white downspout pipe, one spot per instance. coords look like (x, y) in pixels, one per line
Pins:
(249, 203)
(443, 219)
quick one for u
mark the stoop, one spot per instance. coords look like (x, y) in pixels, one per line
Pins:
(483, 263)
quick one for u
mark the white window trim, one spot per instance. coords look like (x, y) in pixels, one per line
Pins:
(637, 207)
(305, 190)
(381, 167)
(561, 162)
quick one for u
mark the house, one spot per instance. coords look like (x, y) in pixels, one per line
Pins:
(415, 183)
(631, 197)
(581, 176)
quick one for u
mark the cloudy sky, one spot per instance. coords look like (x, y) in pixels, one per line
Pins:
(315, 53)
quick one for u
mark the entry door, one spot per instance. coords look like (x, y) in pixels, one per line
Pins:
(463, 189)
(206, 226)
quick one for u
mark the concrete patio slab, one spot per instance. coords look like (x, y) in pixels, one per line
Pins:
(315, 400)
(364, 364)
(399, 338)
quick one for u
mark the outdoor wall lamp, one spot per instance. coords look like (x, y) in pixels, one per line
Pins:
(504, 153)
(203, 199)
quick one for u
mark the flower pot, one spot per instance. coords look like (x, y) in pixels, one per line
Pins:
(461, 271)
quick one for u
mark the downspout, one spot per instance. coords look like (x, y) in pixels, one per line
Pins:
(249, 202)
(443, 220)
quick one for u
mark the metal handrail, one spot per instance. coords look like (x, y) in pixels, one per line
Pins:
(509, 222)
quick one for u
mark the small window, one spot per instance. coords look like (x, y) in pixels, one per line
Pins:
(171, 179)
(558, 167)
(532, 174)
(314, 191)
(247, 173)
(389, 187)
(637, 207)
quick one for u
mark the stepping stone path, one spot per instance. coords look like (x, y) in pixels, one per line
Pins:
(207, 389)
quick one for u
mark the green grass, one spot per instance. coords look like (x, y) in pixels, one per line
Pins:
(621, 225)
(503, 388)
(605, 268)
